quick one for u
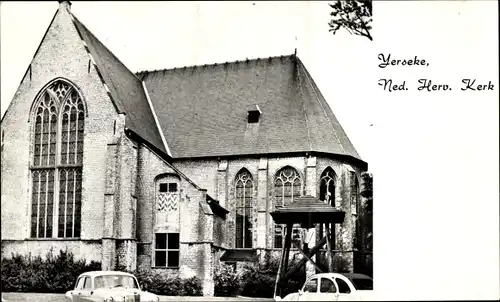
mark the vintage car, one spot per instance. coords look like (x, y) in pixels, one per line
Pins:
(334, 287)
(109, 286)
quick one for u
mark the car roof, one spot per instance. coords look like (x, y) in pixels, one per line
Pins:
(105, 273)
(347, 275)
(327, 275)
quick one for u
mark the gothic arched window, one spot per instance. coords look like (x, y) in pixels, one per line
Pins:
(327, 194)
(288, 186)
(327, 186)
(56, 168)
(244, 202)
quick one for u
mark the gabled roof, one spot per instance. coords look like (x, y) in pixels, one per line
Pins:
(203, 109)
(125, 89)
(307, 210)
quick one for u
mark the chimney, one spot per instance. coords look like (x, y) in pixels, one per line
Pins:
(65, 5)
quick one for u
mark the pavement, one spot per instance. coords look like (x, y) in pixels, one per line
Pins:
(38, 297)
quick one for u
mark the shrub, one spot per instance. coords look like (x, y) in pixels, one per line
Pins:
(162, 284)
(340, 263)
(258, 280)
(257, 283)
(226, 281)
(192, 287)
(54, 273)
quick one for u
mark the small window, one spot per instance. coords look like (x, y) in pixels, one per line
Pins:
(87, 284)
(311, 286)
(253, 116)
(168, 187)
(327, 286)
(172, 187)
(167, 249)
(79, 283)
(161, 241)
(343, 286)
(278, 236)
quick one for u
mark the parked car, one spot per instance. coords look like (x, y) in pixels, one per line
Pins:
(108, 286)
(334, 287)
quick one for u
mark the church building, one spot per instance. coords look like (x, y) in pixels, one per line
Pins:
(173, 170)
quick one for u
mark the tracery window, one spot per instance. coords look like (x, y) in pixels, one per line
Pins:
(327, 186)
(288, 186)
(56, 168)
(244, 208)
(327, 194)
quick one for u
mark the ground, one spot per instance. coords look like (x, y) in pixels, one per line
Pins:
(29, 297)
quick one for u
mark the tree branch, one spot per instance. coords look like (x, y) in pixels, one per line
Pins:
(349, 15)
(363, 25)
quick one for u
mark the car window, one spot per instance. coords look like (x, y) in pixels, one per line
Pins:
(79, 283)
(109, 281)
(86, 284)
(343, 286)
(327, 286)
(311, 286)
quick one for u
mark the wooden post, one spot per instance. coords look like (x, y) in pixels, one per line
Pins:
(280, 271)
(302, 261)
(288, 243)
(304, 253)
(329, 257)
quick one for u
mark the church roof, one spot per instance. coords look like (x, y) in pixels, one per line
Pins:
(125, 89)
(203, 110)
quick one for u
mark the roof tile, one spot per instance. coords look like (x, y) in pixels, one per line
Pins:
(124, 87)
(203, 109)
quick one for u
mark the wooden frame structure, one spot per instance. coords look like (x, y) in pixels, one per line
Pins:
(307, 211)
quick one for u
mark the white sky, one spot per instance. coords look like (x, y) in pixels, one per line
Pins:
(434, 154)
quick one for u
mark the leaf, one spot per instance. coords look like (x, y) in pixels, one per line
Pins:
(354, 16)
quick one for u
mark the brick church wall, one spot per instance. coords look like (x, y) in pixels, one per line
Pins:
(149, 167)
(219, 174)
(196, 226)
(61, 54)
